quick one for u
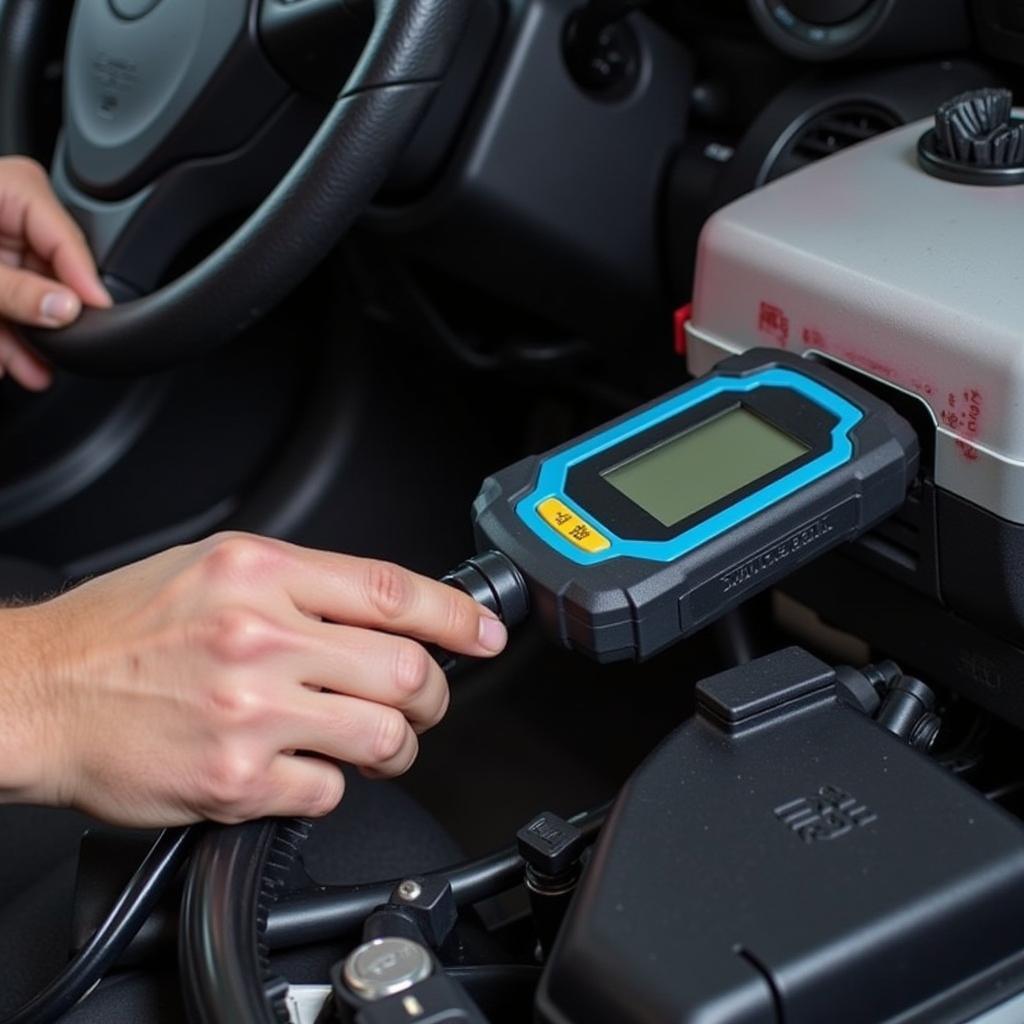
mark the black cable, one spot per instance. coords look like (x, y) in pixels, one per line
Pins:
(224, 917)
(157, 870)
(333, 910)
(329, 911)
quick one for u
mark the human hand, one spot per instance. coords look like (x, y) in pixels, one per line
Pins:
(180, 688)
(46, 269)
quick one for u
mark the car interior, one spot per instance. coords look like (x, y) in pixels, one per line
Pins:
(394, 276)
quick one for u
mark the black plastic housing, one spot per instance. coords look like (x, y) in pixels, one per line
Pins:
(632, 608)
(781, 857)
(937, 586)
(980, 559)
(953, 645)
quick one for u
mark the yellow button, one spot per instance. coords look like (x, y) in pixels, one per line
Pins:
(575, 530)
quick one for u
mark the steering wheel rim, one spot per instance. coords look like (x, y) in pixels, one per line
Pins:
(410, 48)
(224, 968)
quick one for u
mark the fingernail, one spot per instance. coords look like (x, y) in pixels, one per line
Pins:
(493, 635)
(35, 378)
(59, 307)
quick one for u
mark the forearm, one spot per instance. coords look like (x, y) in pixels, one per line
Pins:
(30, 747)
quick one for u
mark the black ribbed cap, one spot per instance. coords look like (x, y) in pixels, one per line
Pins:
(976, 140)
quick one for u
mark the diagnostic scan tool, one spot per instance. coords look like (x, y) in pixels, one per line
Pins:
(654, 525)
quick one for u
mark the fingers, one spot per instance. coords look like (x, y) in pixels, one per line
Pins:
(30, 211)
(302, 787)
(30, 298)
(379, 595)
(377, 667)
(355, 591)
(357, 732)
(54, 236)
(22, 364)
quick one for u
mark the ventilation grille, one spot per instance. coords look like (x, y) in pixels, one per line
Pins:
(829, 132)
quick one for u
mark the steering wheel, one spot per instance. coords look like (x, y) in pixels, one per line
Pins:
(177, 115)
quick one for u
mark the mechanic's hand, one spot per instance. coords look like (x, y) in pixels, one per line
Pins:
(181, 687)
(46, 269)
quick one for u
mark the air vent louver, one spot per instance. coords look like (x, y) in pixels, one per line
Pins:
(829, 132)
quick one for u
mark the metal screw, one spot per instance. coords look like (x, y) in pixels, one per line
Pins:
(926, 732)
(410, 890)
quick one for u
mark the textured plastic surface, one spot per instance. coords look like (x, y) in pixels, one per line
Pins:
(629, 607)
(782, 857)
(569, 183)
(869, 260)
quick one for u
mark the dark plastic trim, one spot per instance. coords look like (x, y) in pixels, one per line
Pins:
(815, 41)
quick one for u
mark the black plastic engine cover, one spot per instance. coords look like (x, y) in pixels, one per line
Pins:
(781, 857)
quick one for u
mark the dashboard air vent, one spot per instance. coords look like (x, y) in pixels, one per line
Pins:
(828, 132)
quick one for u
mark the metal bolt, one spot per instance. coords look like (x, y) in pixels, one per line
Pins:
(410, 890)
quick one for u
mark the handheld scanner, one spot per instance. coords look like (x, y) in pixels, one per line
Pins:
(646, 529)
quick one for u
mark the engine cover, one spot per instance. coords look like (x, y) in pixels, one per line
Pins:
(781, 857)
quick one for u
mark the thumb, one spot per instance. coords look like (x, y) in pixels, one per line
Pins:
(32, 299)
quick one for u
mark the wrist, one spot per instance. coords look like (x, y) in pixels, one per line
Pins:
(32, 750)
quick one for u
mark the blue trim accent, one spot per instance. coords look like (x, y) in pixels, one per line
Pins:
(555, 469)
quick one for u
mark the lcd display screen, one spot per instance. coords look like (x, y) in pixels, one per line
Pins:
(686, 473)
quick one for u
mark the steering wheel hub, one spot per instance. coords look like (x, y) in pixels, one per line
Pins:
(135, 71)
(133, 8)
